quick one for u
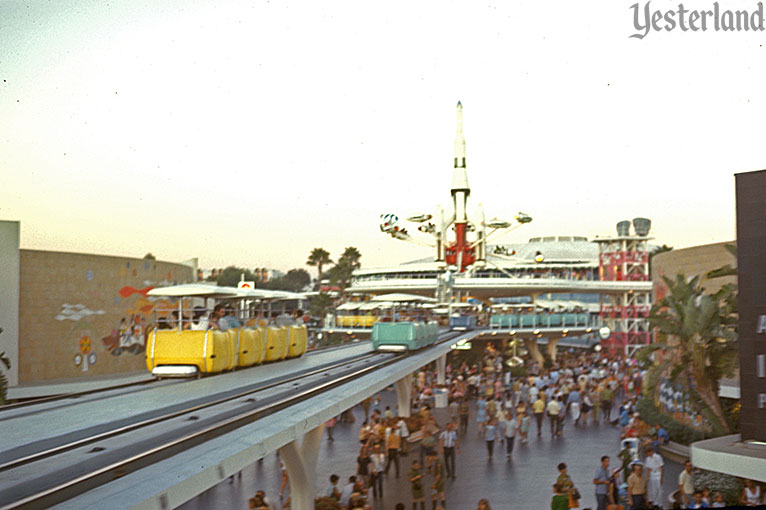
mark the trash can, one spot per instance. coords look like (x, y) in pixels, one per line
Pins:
(440, 398)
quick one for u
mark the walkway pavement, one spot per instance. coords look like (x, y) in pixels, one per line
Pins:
(523, 483)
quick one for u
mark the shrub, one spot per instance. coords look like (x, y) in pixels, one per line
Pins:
(678, 432)
(729, 486)
(326, 503)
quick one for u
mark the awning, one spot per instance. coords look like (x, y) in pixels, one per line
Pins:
(194, 289)
(348, 306)
(403, 298)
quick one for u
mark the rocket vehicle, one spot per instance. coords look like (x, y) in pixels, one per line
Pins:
(455, 252)
(459, 253)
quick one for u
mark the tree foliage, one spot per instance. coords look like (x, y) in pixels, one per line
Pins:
(231, 276)
(149, 256)
(341, 272)
(295, 280)
(699, 332)
(319, 305)
(319, 257)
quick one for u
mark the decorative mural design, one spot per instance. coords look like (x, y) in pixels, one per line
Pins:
(76, 312)
(129, 337)
(128, 291)
(131, 333)
(85, 357)
(97, 317)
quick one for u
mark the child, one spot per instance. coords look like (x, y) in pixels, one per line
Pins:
(560, 500)
(698, 503)
(718, 501)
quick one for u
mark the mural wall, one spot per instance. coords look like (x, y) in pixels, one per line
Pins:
(83, 315)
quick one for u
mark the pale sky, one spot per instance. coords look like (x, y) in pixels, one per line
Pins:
(248, 133)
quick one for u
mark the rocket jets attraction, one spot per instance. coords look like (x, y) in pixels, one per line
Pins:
(457, 253)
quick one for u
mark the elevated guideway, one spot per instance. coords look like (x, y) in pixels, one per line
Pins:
(22, 434)
(294, 431)
(500, 287)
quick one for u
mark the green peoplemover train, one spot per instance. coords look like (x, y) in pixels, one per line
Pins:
(403, 336)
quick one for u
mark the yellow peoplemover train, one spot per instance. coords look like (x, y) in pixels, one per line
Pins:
(189, 348)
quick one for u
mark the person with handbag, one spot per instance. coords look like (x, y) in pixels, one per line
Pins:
(565, 483)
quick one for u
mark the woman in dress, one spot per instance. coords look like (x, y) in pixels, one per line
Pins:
(574, 406)
(751, 494)
(481, 414)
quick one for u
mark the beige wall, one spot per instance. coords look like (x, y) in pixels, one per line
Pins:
(71, 308)
(694, 261)
(9, 297)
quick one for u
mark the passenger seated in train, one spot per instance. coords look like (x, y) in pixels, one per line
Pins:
(174, 320)
(163, 323)
(214, 322)
(284, 319)
(229, 320)
(199, 322)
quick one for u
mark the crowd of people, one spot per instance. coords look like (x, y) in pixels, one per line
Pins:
(384, 438)
(581, 390)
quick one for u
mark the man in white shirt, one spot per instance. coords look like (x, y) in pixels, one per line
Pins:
(378, 465)
(472, 385)
(553, 409)
(199, 322)
(655, 469)
(511, 426)
(686, 484)
(347, 491)
(448, 440)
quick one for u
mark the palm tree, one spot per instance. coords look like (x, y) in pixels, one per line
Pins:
(351, 256)
(700, 330)
(319, 257)
(342, 271)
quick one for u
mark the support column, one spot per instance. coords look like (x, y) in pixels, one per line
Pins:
(441, 369)
(552, 348)
(404, 395)
(300, 464)
(534, 350)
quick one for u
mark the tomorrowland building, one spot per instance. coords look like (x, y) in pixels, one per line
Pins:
(605, 278)
(543, 265)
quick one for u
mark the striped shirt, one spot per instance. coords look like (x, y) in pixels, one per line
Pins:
(449, 437)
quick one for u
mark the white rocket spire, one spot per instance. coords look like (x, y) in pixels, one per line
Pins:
(459, 175)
